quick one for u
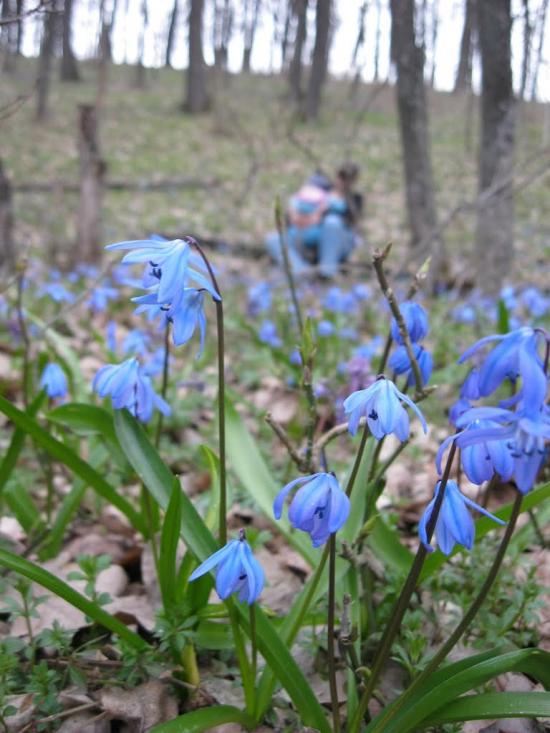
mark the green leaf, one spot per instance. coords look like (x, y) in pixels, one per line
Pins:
(439, 690)
(168, 546)
(85, 420)
(248, 464)
(384, 542)
(493, 705)
(213, 635)
(16, 444)
(204, 719)
(69, 458)
(60, 588)
(23, 507)
(503, 317)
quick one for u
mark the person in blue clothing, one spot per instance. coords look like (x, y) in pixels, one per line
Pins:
(321, 217)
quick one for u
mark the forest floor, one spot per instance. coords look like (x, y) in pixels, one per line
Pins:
(241, 155)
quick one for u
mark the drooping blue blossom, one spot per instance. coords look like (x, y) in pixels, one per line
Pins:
(259, 298)
(516, 355)
(338, 301)
(416, 322)
(536, 303)
(481, 460)
(457, 409)
(186, 312)
(325, 328)
(86, 270)
(348, 333)
(169, 263)
(454, 524)
(268, 334)
(54, 381)
(508, 297)
(57, 292)
(100, 297)
(136, 342)
(369, 349)
(128, 386)
(361, 291)
(319, 507)
(154, 365)
(238, 571)
(400, 363)
(110, 336)
(295, 357)
(464, 313)
(381, 405)
(470, 388)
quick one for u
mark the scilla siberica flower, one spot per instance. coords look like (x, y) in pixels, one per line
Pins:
(454, 524)
(516, 355)
(185, 312)
(319, 507)
(129, 387)
(381, 405)
(238, 571)
(54, 381)
(416, 322)
(401, 364)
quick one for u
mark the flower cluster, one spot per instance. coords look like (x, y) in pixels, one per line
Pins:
(416, 323)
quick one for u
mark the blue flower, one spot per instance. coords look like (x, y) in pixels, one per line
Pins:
(481, 460)
(136, 342)
(169, 262)
(100, 297)
(54, 381)
(268, 334)
(186, 313)
(381, 405)
(464, 313)
(535, 302)
(238, 571)
(259, 298)
(454, 524)
(325, 328)
(457, 409)
(338, 301)
(111, 335)
(319, 507)
(129, 387)
(470, 388)
(416, 322)
(295, 357)
(401, 364)
(57, 292)
(516, 355)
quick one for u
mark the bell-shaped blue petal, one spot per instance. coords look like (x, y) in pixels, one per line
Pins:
(401, 364)
(454, 524)
(319, 507)
(238, 571)
(470, 388)
(54, 381)
(416, 322)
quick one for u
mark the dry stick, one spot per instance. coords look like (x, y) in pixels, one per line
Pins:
(402, 603)
(378, 262)
(281, 433)
(464, 623)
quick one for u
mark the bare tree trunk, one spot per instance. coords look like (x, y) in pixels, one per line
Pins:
(196, 100)
(463, 81)
(171, 34)
(249, 32)
(92, 170)
(360, 40)
(69, 67)
(377, 42)
(45, 63)
(296, 64)
(222, 29)
(7, 250)
(285, 35)
(527, 32)
(319, 61)
(8, 36)
(495, 220)
(435, 28)
(413, 122)
(140, 67)
(541, 23)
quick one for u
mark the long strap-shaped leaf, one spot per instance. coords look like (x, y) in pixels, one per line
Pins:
(60, 588)
(69, 458)
(204, 719)
(16, 444)
(158, 478)
(493, 705)
(441, 688)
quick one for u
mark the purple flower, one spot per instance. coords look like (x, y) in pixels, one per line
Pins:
(381, 405)
(454, 524)
(319, 507)
(238, 571)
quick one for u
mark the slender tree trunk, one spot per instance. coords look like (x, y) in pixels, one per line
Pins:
(222, 30)
(45, 63)
(527, 32)
(92, 170)
(413, 122)
(249, 32)
(196, 99)
(495, 221)
(69, 67)
(285, 35)
(435, 28)
(296, 64)
(538, 60)
(463, 81)
(360, 40)
(171, 34)
(377, 42)
(140, 67)
(8, 36)
(7, 250)
(320, 60)
(19, 7)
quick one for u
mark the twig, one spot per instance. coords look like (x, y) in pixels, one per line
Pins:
(42, 7)
(281, 433)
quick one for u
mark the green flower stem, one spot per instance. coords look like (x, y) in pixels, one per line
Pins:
(402, 603)
(281, 229)
(358, 458)
(165, 373)
(24, 335)
(222, 533)
(336, 725)
(254, 655)
(467, 619)
(247, 678)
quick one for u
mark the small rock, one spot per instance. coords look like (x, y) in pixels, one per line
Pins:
(113, 580)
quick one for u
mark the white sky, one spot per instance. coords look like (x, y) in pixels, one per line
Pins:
(266, 58)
